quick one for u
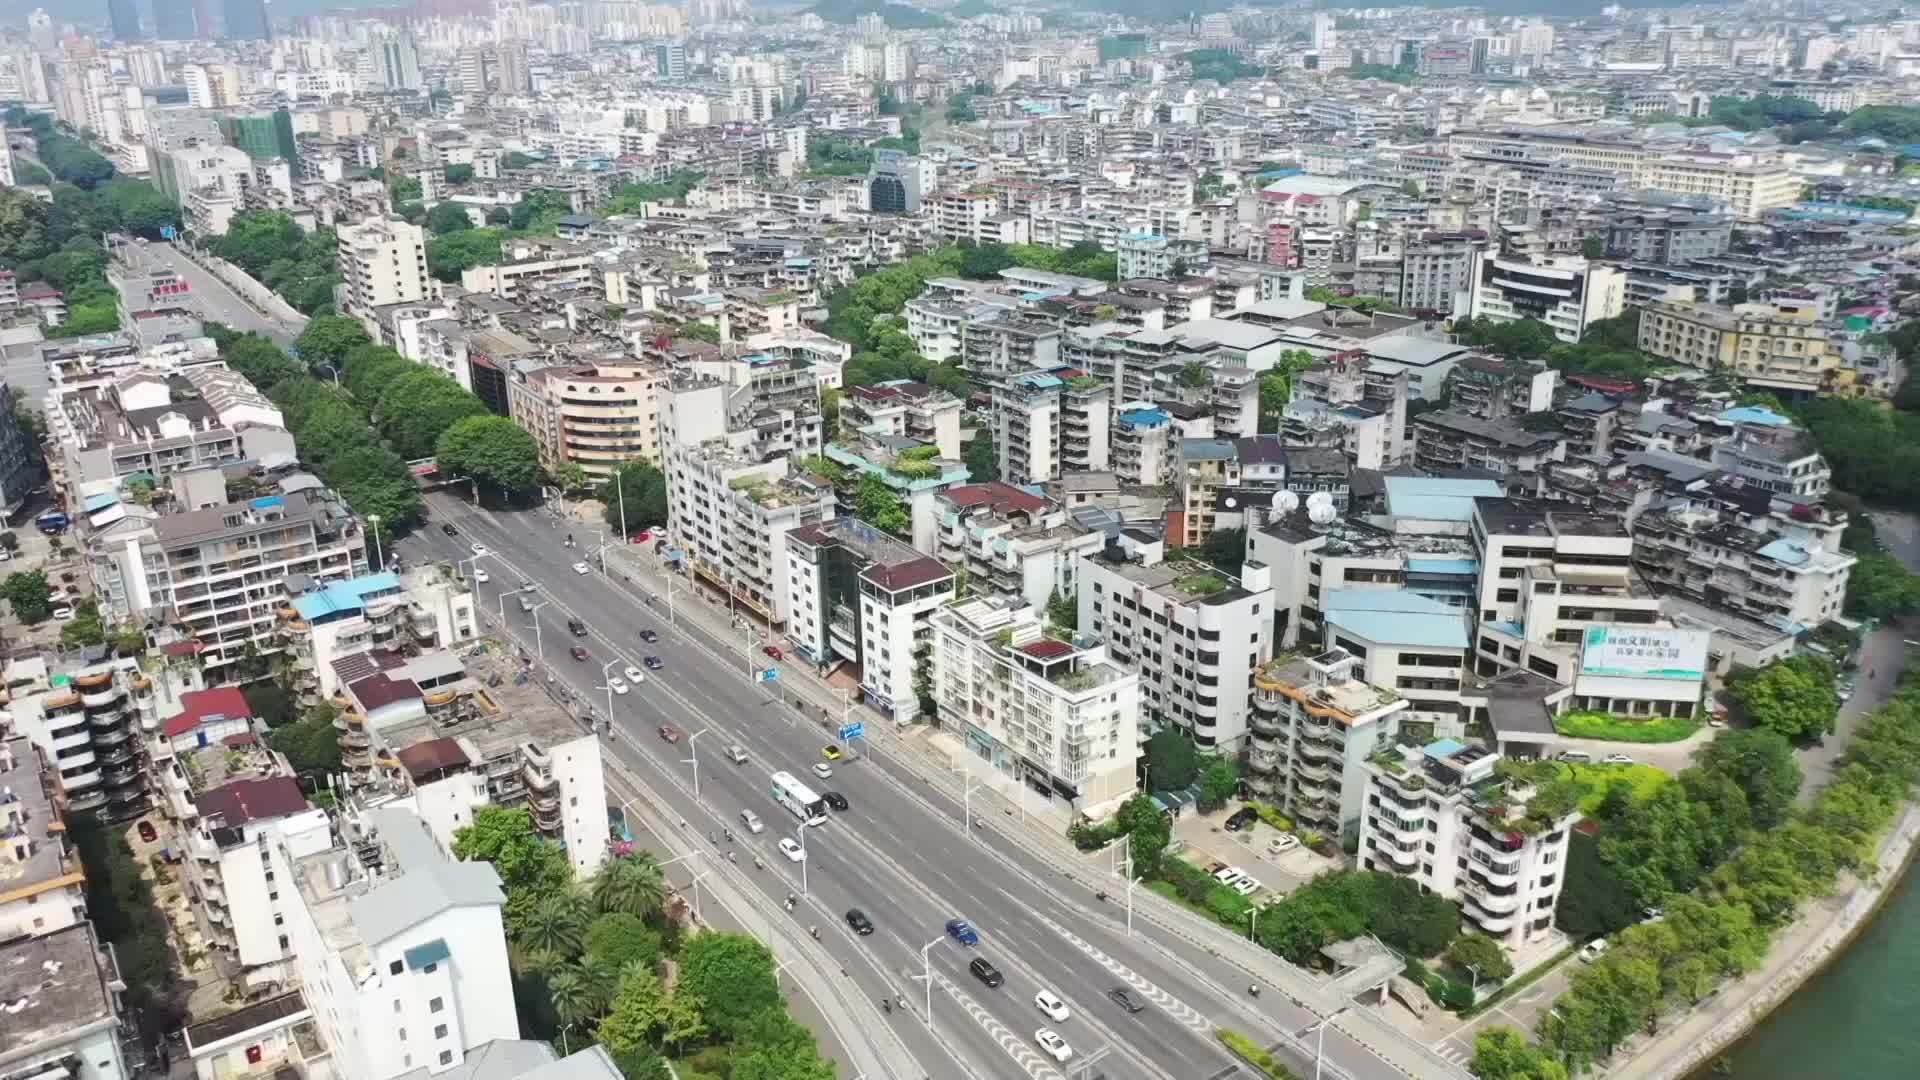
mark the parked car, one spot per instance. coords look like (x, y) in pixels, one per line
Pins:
(1247, 886)
(1617, 759)
(986, 972)
(1229, 875)
(669, 733)
(63, 612)
(963, 932)
(1576, 757)
(1241, 818)
(1593, 950)
(480, 575)
(1282, 844)
(578, 652)
(147, 832)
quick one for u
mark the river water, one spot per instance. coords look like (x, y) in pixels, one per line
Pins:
(1858, 1018)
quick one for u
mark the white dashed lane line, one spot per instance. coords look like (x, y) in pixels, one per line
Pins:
(1186, 1014)
(1037, 1065)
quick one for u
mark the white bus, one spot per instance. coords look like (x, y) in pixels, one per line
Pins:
(799, 799)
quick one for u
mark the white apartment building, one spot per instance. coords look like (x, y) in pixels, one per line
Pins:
(400, 949)
(596, 416)
(1314, 723)
(1346, 403)
(383, 261)
(219, 570)
(1767, 557)
(907, 410)
(430, 608)
(1012, 541)
(46, 887)
(1046, 711)
(1045, 425)
(1567, 293)
(1443, 815)
(864, 598)
(1146, 445)
(1195, 636)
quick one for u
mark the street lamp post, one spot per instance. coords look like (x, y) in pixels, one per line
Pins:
(564, 1049)
(694, 760)
(336, 374)
(503, 600)
(1124, 866)
(606, 676)
(968, 786)
(801, 832)
(694, 854)
(926, 966)
(539, 650)
(1320, 1038)
(379, 559)
(476, 565)
(746, 647)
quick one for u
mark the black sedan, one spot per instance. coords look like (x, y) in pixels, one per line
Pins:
(649, 636)
(1242, 818)
(835, 800)
(654, 663)
(449, 530)
(858, 921)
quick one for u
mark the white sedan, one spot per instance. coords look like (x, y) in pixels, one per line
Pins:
(1053, 1044)
(633, 675)
(792, 850)
(1051, 1004)
(582, 568)
(480, 575)
(617, 685)
(480, 549)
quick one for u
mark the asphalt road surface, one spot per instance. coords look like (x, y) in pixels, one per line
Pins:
(215, 301)
(900, 852)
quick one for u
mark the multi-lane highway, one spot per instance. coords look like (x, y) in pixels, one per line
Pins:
(900, 853)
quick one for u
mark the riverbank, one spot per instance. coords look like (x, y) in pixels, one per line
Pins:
(1800, 953)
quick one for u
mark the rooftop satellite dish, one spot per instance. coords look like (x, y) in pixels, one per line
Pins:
(1320, 514)
(1318, 500)
(1285, 501)
(1231, 502)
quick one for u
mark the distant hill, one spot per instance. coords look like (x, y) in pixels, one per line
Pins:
(898, 16)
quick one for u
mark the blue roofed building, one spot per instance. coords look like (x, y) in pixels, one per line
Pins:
(325, 621)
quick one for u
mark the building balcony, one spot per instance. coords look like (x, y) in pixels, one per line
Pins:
(91, 800)
(1403, 859)
(1497, 872)
(81, 781)
(113, 737)
(1312, 774)
(1493, 923)
(1495, 901)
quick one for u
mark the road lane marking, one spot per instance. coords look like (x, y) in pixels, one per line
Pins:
(1036, 1065)
(1187, 1015)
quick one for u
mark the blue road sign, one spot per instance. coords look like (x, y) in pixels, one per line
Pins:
(167, 232)
(852, 731)
(769, 674)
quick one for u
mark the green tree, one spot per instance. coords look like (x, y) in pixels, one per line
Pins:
(638, 1017)
(374, 480)
(1482, 957)
(459, 174)
(328, 339)
(420, 406)
(1172, 760)
(448, 217)
(1762, 763)
(1219, 780)
(452, 254)
(84, 628)
(981, 457)
(27, 592)
(557, 924)
(1063, 610)
(1501, 1053)
(881, 507)
(642, 490)
(1148, 830)
(985, 261)
(1796, 697)
(619, 940)
(731, 975)
(571, 995)
(525, 860)
(1226, 549)
(630, 885)
(493, 448)
(311, 746)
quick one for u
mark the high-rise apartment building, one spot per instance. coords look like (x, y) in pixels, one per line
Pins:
(174, 20)
(396, 63)
(124, 17)
(247, 21)
(383, 261)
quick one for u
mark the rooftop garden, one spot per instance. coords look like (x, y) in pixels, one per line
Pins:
(1201, 584)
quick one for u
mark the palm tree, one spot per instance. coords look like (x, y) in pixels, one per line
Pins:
(571, 996)
(634, 885)
(557, 924)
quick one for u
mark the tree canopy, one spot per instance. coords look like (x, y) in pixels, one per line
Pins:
(1796, 697)
(499, 452)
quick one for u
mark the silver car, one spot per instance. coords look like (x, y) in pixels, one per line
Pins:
(752, 821)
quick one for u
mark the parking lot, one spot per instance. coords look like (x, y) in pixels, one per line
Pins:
(66, 579)
(1206, 841)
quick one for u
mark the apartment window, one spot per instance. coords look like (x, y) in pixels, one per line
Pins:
(446, 1057)
(1507, 595)
(430, 968)
(279, 920)
(439, 1031)
(403, 1034)
(396, 1006)
(436, 1005)
(283, 942)
(394, 969)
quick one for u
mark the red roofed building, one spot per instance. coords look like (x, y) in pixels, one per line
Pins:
(1010, 540)
(207, 717)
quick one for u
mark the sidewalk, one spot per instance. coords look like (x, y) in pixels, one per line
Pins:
(1042, 836)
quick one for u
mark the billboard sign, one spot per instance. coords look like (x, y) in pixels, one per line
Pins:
(855, 730)
(1616, 650)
